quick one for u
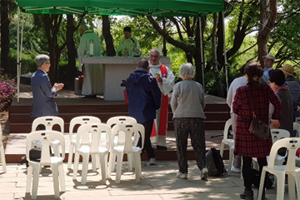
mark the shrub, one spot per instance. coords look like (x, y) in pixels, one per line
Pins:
(7, 92)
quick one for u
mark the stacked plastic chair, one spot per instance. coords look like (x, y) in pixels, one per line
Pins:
(92, 139)
(55, 162)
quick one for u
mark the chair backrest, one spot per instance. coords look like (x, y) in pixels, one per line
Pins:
(292, 145)
(296, 127)
(46, 137)
(81, 120)
(93, 135)
(49, 122)
(226, 128)
(129, 131)
(120, 120)
(278, 134)
(297, 119)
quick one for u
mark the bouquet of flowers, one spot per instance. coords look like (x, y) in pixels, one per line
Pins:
(7, 92)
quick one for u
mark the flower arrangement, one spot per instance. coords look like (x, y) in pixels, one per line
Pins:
(7, 92)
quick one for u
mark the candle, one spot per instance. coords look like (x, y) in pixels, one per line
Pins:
(91, 48)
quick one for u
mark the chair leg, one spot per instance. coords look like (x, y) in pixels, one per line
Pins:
(70, 157)
(110, 163)
(84, 172)
(230, 159)
(62, 178)
(75, 165)
(3, 159)
(94, 162)
(222, 149)
(103, 162)
(297, 185)
(130, 162)
(36, 173)
(119, 167)
(280, 186)
(261, 185)
(291, 184)
(29, 179)
(137, 163)
(55, 174)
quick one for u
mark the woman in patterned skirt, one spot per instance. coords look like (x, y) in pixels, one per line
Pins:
(187, 105)
(254, 97)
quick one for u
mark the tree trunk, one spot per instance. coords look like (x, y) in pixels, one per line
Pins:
(110, 50)
(268, 15)
(71, 52)
(5, 37)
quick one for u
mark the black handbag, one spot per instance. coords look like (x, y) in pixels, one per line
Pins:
(258, 127)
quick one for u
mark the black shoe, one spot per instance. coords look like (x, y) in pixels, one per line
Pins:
(163, 148)
(90, 96)
(248, 194)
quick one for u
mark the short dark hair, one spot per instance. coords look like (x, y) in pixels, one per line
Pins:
(277, 76)
(127, 29)
(254, 72)
(143, 63)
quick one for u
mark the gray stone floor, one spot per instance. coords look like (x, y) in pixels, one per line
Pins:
(158, 183)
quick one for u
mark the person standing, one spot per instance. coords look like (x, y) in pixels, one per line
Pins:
(93, 74)
(165, 79)
(277, 80)
(236, 83)
(269, 60)
(43, 93)
(144, 99)
(254, 97)
(294, 87)
(129, 46)
(187, 104)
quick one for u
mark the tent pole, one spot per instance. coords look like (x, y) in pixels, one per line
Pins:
(224, 52)
(18, 58)
(201, 50)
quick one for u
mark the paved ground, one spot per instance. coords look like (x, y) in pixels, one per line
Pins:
(158, 183)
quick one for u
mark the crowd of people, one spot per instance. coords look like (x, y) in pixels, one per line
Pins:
(272, 94)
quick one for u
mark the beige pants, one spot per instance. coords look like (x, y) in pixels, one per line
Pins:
(237, 158)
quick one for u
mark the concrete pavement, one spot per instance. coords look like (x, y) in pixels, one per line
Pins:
(158, 183)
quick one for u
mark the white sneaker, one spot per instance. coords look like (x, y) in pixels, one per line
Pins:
(204, 174)
(152, 161)
(235, 169)
(181, 175)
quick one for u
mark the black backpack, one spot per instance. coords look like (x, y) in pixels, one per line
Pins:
(214, 163)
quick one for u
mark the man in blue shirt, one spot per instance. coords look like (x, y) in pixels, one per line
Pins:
(269, 60)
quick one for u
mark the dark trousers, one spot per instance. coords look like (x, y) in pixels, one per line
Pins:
(147, 143)
(183, 128)
(247, 168)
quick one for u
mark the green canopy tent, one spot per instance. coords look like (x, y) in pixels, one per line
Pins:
(161, 8)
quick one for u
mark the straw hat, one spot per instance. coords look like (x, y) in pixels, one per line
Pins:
(270, 56)
(288, 70)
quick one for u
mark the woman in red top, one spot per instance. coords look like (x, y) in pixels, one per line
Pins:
(256, 94)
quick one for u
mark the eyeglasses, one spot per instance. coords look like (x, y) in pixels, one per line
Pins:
(153, 56)
(47, 62)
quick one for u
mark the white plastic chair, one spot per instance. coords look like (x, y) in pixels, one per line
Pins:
(228, 142)
(293, 172)
(2, 152)
(278, 134)
(297, 119)
(78, 121)
(92, 139)
(121, 138)
(55, 162)
(296, 127)
(49, 122)
(127, 148)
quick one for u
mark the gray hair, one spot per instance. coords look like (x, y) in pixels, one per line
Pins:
(155, 50)
(41, 59)
(186, 71)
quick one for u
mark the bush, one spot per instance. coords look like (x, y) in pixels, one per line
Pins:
(7, 92)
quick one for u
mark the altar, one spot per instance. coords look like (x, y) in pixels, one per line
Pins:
(115, 70)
